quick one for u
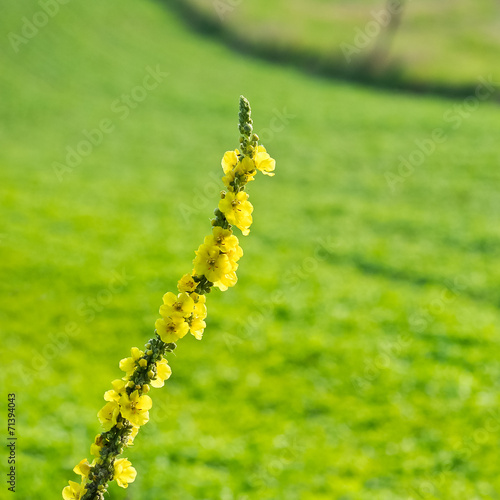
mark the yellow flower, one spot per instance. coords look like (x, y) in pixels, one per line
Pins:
(115, 393)
(163, 372)
(96, 446)
(234, 254)
(132, 435)
(229, 244)
(245, 169)
(264, 162)
(171, 329)
(228, 179)
(226, 281)
(197, 324)
(83, 468)
(187, 284)
(237, 210)
(229, 160)
(224, 239)
(197, 327)
(135, 408)
(230, 278)
(128, 364)
(211, 263)
(74, 491)
(180, 305)
(124, 472)
(200, 308)
(108, 414)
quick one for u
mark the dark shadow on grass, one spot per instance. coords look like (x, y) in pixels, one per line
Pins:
(308, 61)
(369, 267)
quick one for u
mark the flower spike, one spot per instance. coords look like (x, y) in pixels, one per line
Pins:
(215, 265)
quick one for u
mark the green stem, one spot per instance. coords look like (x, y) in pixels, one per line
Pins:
(114, 441)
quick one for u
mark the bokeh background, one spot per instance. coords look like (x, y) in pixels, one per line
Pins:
(358, 356)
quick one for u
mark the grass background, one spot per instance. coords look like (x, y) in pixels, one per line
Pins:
(357, 358)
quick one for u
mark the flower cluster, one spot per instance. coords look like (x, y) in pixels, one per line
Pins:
(217, 258)
(215, 264)
(126, 410)
(182, 313)
(239, 169)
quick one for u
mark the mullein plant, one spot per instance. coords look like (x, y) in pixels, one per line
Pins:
(128, 403)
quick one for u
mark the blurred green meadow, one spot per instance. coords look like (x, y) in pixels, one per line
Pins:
(358, 356)
(449, 42)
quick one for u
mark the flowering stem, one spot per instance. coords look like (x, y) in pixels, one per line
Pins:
(114, 441)
(215, 265)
